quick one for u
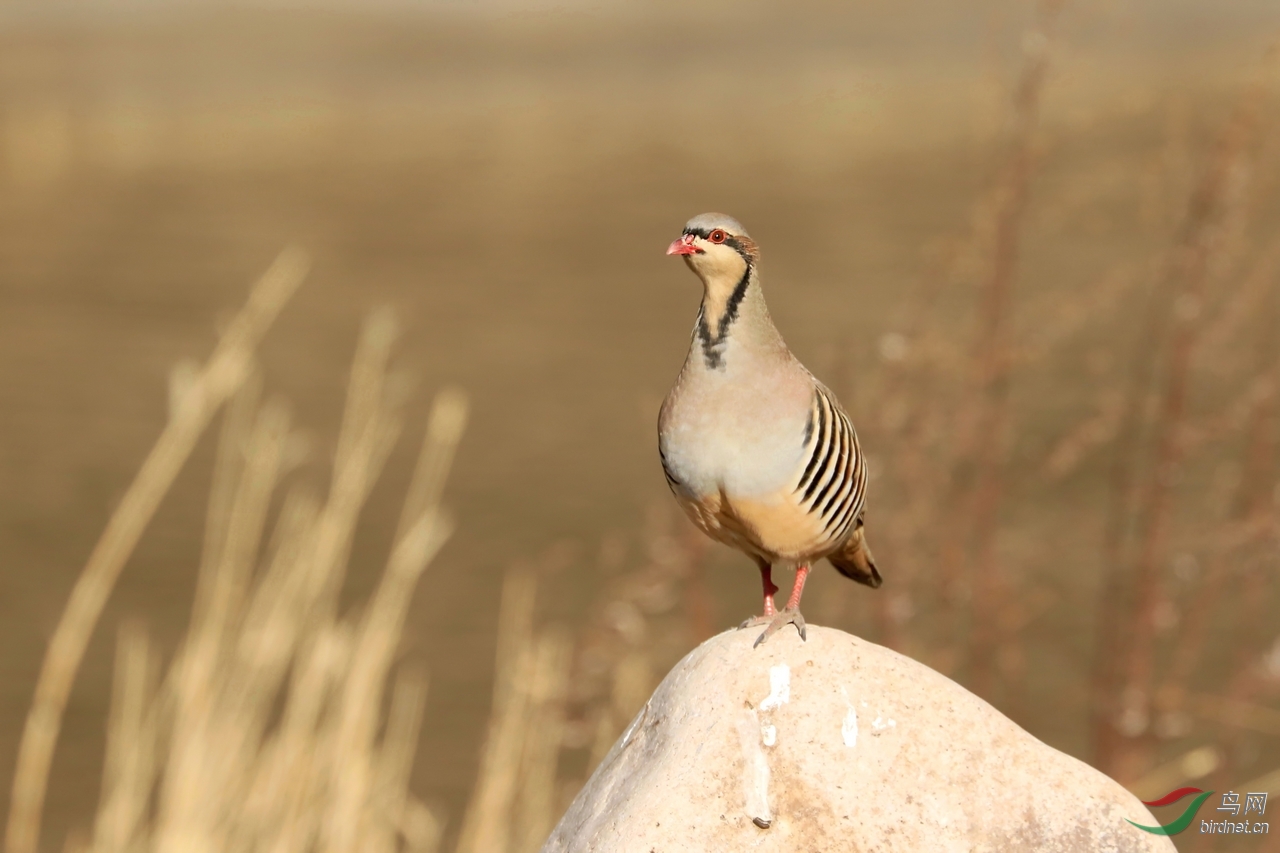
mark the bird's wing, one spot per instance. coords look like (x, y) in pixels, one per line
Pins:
(817, 509)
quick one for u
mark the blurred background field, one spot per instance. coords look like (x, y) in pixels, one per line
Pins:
(1056, 229)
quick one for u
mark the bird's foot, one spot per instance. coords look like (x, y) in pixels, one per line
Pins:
(785, 616)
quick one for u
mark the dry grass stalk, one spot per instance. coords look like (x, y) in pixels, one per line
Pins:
(225, 371)
(639, 629)
(1249, 529)
(269, 715)
(936, 435)
(986, 578)
(536, 807)
(129, 769)
(1213, 215)
(552, 699)
(513, 804)
(486, 826)
(941, 417)
(266, 730)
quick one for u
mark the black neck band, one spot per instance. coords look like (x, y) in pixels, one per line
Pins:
(713, 345)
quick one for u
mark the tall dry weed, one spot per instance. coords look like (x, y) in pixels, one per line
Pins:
(281, 723)
(1184, 516)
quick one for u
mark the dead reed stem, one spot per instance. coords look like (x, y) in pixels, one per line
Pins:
(986, 579)
(132, 745)
(321, 777)
(1190, 266)
(535, 809)
(486, 828)
(265, 732)
(225, 371)
(1123, 474)
(1252, 513)
(515, 799)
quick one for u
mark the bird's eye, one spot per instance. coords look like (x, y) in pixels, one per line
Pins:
(717, 236)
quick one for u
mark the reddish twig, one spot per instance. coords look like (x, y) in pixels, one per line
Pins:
(992, 358)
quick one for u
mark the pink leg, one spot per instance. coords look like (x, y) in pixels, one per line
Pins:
(789, 615)
(766, 577)
(793, 603)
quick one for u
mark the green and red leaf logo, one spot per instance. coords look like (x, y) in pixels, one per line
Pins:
(1184, 820)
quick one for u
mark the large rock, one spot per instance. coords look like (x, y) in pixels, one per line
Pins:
(832, 745)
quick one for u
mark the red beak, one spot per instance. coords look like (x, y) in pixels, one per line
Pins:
(683, 246)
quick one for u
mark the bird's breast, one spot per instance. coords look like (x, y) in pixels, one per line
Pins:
(739, 439)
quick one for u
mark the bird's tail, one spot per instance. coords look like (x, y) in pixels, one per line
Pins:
(854, 559)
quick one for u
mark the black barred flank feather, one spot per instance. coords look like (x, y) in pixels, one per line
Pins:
(834, 483)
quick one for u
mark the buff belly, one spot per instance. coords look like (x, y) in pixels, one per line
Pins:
(776, 531)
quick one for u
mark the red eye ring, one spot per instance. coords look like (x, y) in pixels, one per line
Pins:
(717, 236)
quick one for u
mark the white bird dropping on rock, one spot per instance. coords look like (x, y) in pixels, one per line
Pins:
(849, 728)
(779, 687)
(755, 775)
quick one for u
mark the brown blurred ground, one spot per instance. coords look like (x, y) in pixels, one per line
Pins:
(507, 182)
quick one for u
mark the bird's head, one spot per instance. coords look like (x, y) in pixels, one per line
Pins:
(716, 247)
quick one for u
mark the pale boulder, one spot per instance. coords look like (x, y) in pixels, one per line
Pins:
(837, 744)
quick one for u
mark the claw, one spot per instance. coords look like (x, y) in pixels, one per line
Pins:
(785, 616)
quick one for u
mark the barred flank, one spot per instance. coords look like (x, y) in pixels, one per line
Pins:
(834, 483)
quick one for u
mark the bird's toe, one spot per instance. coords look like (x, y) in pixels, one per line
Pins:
(786, 616)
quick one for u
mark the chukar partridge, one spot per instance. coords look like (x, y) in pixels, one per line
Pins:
(757, 451)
